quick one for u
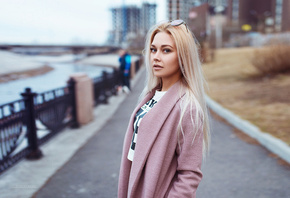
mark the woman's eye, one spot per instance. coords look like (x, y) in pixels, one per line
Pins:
(166, 50)
(152, 49)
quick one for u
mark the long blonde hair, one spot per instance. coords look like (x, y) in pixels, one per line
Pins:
(192, 75)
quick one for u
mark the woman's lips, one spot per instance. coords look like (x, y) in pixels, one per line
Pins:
(157, 67)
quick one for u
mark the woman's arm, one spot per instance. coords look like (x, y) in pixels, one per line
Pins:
(189, 159)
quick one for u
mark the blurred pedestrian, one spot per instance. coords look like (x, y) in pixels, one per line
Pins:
(125, 66)
(171, 121)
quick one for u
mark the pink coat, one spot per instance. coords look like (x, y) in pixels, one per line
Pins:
(162, 167)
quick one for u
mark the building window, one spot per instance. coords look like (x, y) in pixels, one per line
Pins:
(278, 15)
(235, 11)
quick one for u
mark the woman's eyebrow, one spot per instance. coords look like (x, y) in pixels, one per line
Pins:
(166, 45)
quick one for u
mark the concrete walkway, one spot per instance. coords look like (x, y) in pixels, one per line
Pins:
(237, 169)
(93, 170)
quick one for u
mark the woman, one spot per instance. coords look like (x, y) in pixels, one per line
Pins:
(171, 121)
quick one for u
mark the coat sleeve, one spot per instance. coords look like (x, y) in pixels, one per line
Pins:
(189, 159)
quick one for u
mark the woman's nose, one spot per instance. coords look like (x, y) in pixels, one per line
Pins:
(156, 56)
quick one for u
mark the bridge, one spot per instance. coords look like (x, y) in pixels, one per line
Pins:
(51, 49)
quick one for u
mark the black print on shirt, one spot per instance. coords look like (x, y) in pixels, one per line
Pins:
(139, 116)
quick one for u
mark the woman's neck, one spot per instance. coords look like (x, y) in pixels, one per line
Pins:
(167, 83)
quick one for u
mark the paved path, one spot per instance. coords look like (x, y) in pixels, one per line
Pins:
(94, 169)
(234, 168)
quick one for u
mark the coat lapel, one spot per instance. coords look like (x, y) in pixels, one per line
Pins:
(149, 128)
(125, 163)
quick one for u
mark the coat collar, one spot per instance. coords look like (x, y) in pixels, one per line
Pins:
(150, 126)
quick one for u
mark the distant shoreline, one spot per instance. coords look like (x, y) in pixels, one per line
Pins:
(24, 74)
(18, 66)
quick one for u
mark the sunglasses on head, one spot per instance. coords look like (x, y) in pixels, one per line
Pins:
(178, 22)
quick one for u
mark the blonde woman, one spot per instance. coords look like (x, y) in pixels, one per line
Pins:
(171, 121)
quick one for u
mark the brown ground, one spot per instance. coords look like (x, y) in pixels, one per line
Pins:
(24, 74)
(264, 101)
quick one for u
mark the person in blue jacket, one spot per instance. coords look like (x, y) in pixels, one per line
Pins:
(125, 65)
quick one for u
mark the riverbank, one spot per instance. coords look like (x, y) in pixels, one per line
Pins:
(17, 66)
(25, 73)
(110, 60)
(264, 102)
(11, 63)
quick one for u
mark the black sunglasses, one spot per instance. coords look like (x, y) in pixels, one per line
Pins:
(178, 22)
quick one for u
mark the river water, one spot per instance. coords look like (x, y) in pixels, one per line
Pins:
(10, 91)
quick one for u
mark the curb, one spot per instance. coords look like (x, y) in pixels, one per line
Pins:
(273, 144)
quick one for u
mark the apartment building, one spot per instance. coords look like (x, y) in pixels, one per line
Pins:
(130, 21)
(261, 15)
(179, 9)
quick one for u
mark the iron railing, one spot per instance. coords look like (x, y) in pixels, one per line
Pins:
(138, 65)
(55, 110)
(105, 86)
(13, 130)
(38, 117)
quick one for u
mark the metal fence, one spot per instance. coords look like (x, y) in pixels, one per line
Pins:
(12, 132)
(105, 86)
(27, 123)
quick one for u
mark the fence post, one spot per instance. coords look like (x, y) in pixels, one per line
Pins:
(72, 90)
(137, 65)
(132, 70)
(105, 81)
(116, 81)
(35, 152)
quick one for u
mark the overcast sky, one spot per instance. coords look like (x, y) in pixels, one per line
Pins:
(61, 21)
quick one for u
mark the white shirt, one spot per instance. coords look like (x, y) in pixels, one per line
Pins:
(139, 116)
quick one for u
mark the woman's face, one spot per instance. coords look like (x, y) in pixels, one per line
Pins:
(163, 57)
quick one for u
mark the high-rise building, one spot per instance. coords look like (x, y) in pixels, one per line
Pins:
(216, 2)
(199, 21)
(180, 9)
(148, 16)
(261, 15)
(282, 15)
(131, 21)
(126, 23)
